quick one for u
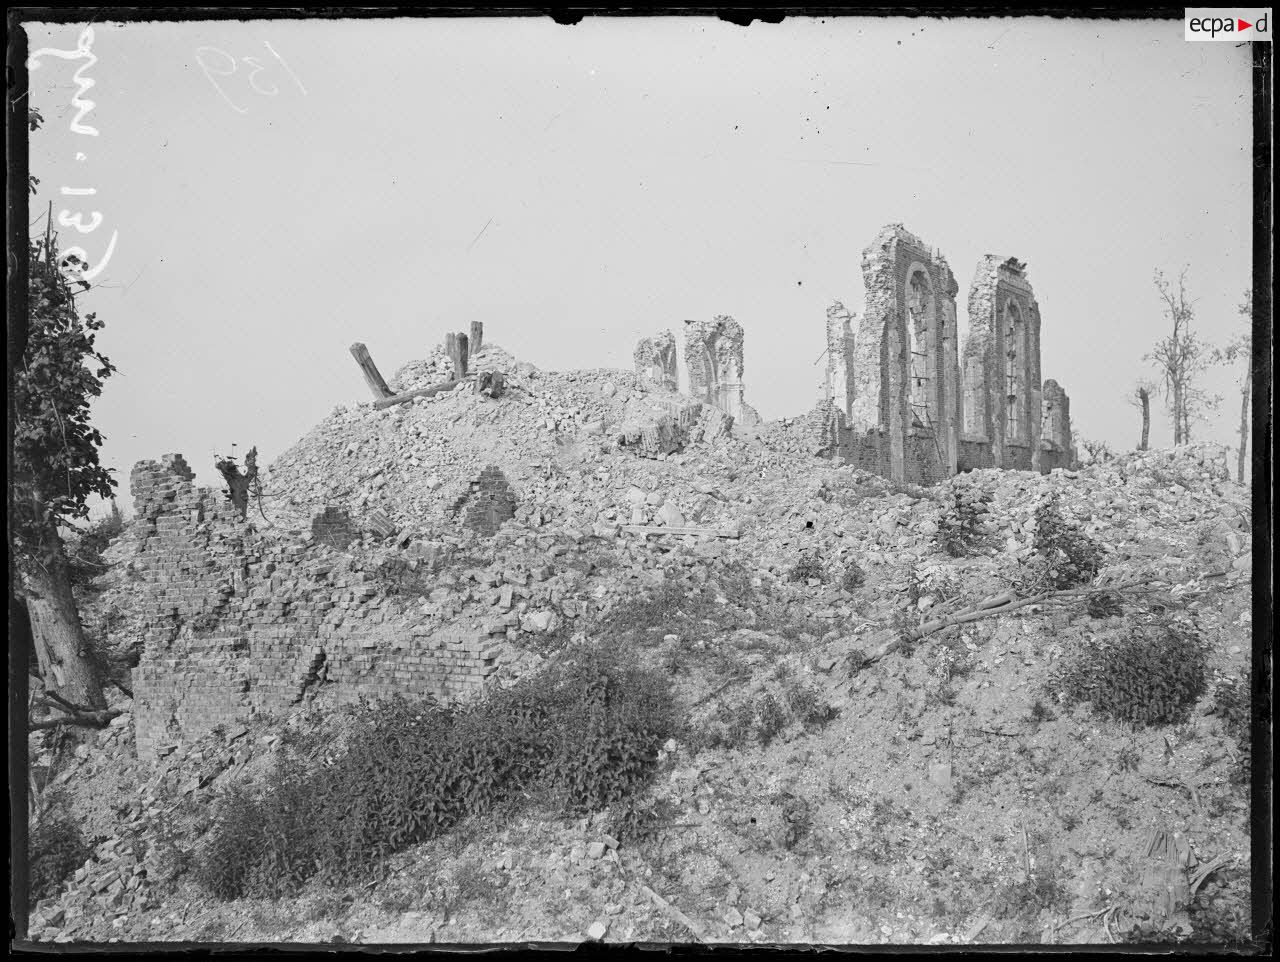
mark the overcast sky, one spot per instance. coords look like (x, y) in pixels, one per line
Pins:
(577, 188)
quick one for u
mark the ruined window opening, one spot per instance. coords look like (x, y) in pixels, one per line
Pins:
(920, 307)
(1012, 375)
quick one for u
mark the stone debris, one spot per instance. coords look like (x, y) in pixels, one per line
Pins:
(434, 546)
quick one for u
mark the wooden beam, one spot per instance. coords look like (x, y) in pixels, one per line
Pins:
(372, 376)
(477, 337)
(421, 392)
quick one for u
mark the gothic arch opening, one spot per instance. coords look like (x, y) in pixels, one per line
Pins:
(1015, 345)
(921, 363)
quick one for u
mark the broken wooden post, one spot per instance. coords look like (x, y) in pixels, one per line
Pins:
(458, 346)
(477, 337)
(372, 376)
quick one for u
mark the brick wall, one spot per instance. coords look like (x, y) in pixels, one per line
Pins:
(238, 622)
(488, 502)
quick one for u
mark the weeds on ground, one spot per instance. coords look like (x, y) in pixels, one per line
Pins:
(1150, 675)
(808, 568)
(854, 577)
(797, 819)
(805, 703)
(1022, 902)
(1232, 704)
(583, 733)
(1104, 604)
(763, 720)
(695, 615)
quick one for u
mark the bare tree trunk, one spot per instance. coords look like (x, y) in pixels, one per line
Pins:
(239, 485)
(62, 650)
(1244, 427)
(1178, 413)
(1144, 397)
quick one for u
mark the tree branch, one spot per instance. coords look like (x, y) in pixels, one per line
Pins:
(97, 719)
(997, 605)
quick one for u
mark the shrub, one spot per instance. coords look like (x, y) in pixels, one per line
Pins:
(808, 566)
(854, 577)
(1231, 702)
(806, 704)
(1152, 676)
(583, 733)
(960, 524)
(84, 552)
(1104, 604)
(1067, 557)
(56, 848)
(770, 719)
(797, 819)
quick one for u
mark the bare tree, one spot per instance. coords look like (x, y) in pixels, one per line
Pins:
(1181, 358)
(1140, 398)
(1242, 347)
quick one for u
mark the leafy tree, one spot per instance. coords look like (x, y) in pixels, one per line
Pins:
(58, 371)
(1181, 358)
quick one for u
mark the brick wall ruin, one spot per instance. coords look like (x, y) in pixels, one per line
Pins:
(486, 504)
(656, 360)
(713, 354)
(236, 623)
(901, 397)
(838, 387)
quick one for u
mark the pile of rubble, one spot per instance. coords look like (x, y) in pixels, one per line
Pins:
(532, 513)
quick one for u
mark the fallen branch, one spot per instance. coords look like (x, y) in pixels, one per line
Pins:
(421, 392)
(1081, 918)
(1001, 604)
(732, 681)
(1208, 870)
(1189, 789)
(664, 529)
(97, 719)
(674, 913)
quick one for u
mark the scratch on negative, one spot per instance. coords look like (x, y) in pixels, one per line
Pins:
(482, 230)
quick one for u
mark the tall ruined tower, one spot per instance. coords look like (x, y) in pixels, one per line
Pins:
(906, 372)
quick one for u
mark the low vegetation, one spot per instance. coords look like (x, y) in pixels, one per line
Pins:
(581, 736)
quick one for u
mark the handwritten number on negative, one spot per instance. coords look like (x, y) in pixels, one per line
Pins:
(229, 66)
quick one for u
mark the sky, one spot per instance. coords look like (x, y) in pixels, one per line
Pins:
(278, 190)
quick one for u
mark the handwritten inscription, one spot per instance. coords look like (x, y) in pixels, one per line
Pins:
(218, 63)
(74, 261)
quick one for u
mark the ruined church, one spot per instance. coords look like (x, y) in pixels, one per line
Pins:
(902, 396)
